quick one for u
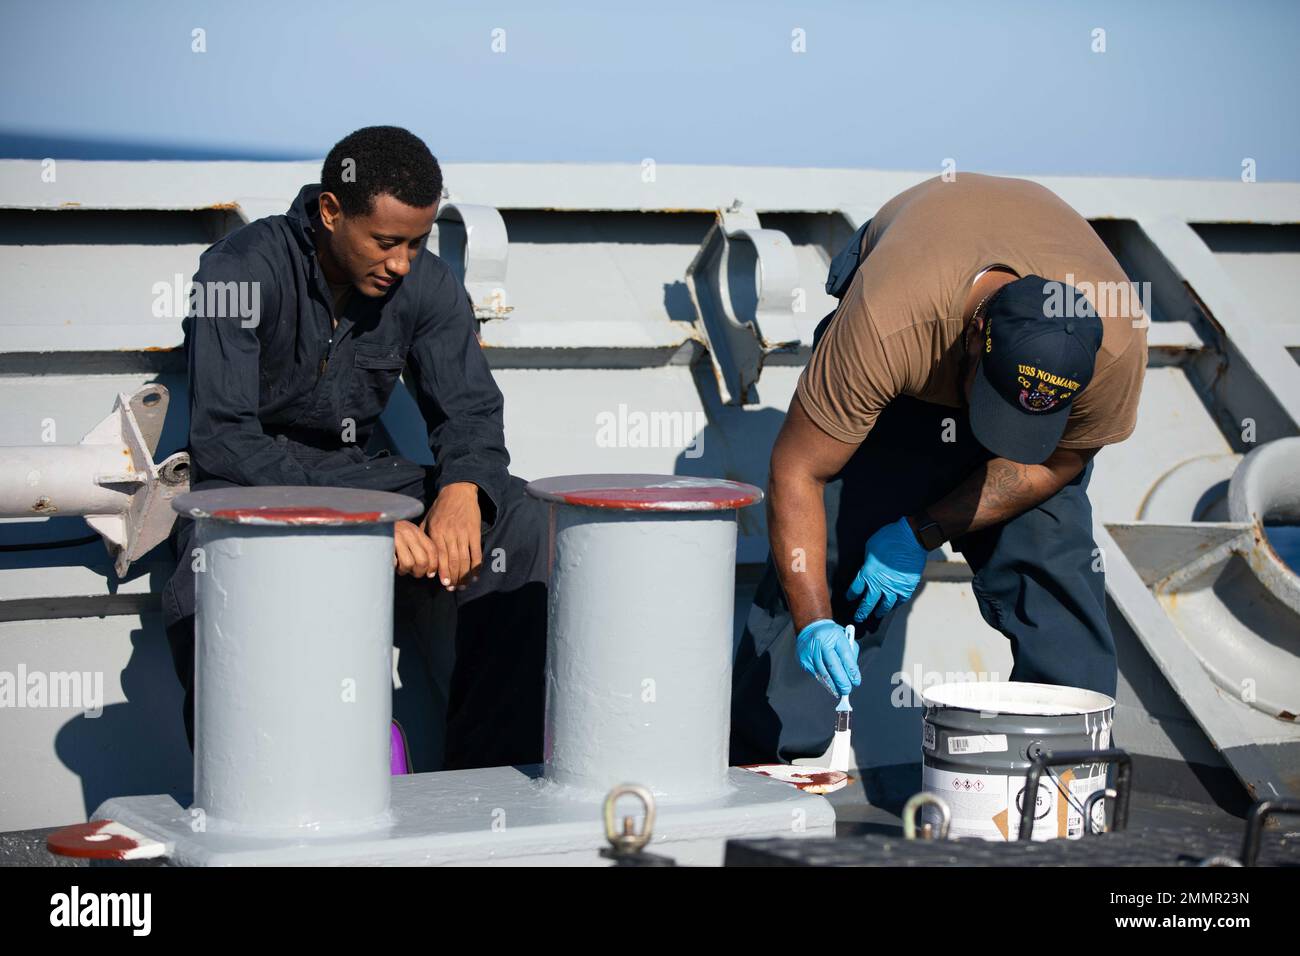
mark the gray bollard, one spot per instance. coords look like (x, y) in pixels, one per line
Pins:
(297, 599)
(293, 657)
(638, 668)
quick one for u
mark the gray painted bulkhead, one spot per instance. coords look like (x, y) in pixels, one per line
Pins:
(601, 317)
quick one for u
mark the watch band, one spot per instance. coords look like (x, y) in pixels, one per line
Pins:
(928, 532)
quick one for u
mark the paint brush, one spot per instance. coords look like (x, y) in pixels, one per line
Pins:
(840, 753)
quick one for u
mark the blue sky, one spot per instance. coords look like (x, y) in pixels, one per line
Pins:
(1186, 89)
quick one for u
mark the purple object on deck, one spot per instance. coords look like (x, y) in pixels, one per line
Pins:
(399, 761)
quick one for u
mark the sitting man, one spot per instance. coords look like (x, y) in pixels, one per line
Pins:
(959, 393)
(347, 299)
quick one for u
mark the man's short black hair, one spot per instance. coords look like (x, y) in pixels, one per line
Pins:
(381, 159)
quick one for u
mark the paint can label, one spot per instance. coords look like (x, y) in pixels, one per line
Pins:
(978, 744)
(988, 806)
(1045, 808)
(977, 802)
(927, 735)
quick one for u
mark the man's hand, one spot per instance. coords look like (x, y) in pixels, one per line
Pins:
(413, 553)
(891, 571)
(829, 653)
(452, 528)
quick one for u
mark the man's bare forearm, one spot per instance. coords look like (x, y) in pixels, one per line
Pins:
(796, 522)
(1000, 489)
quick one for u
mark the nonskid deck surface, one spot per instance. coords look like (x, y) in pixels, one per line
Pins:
(857, 818)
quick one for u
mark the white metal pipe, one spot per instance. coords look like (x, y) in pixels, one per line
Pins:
(40, 480)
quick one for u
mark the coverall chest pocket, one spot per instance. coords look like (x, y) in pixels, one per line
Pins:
(374, 373)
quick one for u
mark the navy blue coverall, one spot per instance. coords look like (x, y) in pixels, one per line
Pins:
(290, 399)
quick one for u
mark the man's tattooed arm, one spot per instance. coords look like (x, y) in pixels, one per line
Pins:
(1000, 489)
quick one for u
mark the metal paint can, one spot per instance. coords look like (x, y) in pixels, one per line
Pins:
(978, 739)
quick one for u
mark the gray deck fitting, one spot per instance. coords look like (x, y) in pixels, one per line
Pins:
(269, 794)
(499, 815)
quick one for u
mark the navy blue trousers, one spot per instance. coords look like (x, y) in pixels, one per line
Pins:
(1034, 581)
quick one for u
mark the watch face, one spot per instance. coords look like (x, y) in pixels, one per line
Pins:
(931, 536)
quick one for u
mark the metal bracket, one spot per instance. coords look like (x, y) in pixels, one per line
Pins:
(1255, 822)
(137, 420)
(1073, 758)
(743, 282)
(472, 240)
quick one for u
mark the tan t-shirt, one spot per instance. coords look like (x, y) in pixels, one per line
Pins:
(898, 328)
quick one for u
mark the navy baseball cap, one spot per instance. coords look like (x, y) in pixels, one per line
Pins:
(1040, 346)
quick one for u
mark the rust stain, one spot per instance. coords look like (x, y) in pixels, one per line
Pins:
(1205, 309)
(296, 516)
(1287, 715)
(43, 505)
(1262, 542)
(224, 206)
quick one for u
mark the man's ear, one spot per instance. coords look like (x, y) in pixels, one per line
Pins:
(330, 210)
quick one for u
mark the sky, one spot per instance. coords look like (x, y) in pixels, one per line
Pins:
(1188, 89)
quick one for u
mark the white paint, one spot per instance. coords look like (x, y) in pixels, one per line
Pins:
(1017, 697)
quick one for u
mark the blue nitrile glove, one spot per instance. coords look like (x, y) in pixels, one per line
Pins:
(827, 651)
(891, 571)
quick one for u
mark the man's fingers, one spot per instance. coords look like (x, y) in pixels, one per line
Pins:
(822, 674)
(868, 602)
(886, 604)
(458, 551)
(839, 676)
(408, 556)
(444, 560)
(428, 558)
(402, 553)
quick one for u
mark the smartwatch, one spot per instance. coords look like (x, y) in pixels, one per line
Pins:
(928, 531)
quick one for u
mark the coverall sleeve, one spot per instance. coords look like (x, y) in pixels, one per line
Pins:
(226, 437)
(457, 395)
